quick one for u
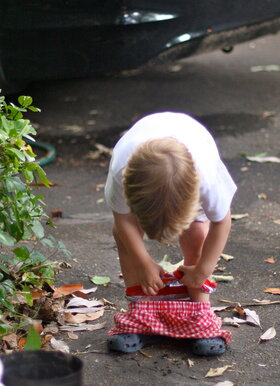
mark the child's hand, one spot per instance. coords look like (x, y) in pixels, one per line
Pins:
(192, 277)
(150, 278)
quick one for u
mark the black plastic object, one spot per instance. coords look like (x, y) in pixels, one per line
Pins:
(42, 368)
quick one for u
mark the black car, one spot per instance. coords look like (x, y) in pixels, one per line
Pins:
(54, 39)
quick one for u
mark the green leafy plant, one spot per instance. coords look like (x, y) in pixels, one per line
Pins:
(23, 268)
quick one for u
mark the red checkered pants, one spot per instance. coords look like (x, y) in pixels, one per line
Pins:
(177, 319)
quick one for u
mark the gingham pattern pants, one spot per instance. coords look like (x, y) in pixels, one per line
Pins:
(175, 318)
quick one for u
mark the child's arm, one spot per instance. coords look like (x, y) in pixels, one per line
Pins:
(144, 270)
(194, 276)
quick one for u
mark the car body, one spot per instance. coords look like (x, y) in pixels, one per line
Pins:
(55, 39)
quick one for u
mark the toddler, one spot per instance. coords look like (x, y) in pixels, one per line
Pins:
(166, 180)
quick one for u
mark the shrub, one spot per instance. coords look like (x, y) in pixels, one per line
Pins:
(23, 268)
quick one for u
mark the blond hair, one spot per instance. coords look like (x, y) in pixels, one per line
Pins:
(161, 187)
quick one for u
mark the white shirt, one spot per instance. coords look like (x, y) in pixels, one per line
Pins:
(216, 185)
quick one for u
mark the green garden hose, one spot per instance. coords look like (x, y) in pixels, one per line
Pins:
(50, 152)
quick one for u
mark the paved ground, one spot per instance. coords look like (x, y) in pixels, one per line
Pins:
(241, 108)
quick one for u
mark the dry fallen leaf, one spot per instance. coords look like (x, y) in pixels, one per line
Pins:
(234, 321)
(270, 260)
(277, 222)
(80, 302)
(219, 308)
(21, 344)
(59, 345)
(274, 291)
(11, 340)
(56, 213)
(226, 257)
(80, 294)
(37, 293)
(217, 371)
(83, 327)
(266, 302)
(98, 187)
(80, 318)
(267, 114)
(73, 128)
(93, 154)
(72, 336)
(37, 324)
(88, 290)
(239, 310)
(252, 317)
(145, 354)
(57, 305)
(50, 329)
(107, 302)
(268, 334)
(262, 196)
(220, 268)
(82, 310)
(66, 290)
(224, 383)
(239, 216)
(104, 149)
(223, 278)
(262, 158)
(190, 363)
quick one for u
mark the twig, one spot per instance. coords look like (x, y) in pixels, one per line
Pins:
(233, 304)
(44, 265)
(145, 354)
(90, 352)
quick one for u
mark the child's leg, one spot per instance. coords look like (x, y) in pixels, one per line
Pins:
(127, 268)
(191, 242)
(127, 342)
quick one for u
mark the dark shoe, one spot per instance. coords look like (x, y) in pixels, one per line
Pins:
(130, 342)
(209, 346)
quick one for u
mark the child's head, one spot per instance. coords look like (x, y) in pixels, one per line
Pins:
(162, 187)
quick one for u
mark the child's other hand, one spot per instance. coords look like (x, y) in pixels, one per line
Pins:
(192, 277)
(150, 278)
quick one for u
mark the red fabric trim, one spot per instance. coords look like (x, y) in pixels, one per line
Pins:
(137, 291)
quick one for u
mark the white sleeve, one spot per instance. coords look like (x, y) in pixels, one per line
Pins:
(114, 195)
(217, 193)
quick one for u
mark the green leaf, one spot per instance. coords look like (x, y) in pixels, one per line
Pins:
(34, 109)
(33, 340)
(22, 252)
(38, 229)
(4, 269)
(7, 304)
(17, 152)
(48, 243)
(262, 154)
(26, 293)
(5, 258)
(25, 101)
(6, 239)
(4, 329)
(63, 249)
(168, 266)
(7, 125)
(30, 277)
(42, 176)
(100, 280)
